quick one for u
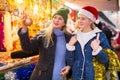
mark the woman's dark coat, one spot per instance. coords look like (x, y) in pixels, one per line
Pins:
(44, 67)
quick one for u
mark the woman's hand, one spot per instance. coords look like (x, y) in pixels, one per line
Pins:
(26, 22)
(95, 44)
(73, 40)
(65, 71)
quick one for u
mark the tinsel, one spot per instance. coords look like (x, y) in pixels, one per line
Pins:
(114, 65)
(2, 48)
(10, 75)
(24, 73)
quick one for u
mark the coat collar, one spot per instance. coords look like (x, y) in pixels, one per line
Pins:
(83, 38)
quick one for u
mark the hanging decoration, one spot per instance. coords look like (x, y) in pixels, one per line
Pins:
(4, 5)
(73, 14)
(40, 11)
(2, 48)
(49, 8)
(7, 31)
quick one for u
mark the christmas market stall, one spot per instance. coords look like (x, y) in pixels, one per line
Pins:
(11, 12)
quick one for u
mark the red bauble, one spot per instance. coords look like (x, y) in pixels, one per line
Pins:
(28, 21)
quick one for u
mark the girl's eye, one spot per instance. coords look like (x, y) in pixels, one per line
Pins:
(57, 18)
(54, 17)
(60, 18)
(81, 18)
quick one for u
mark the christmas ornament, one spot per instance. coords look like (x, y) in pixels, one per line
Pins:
(28, 21)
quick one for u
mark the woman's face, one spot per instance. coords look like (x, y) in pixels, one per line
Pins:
(84, 22)
(58, 22)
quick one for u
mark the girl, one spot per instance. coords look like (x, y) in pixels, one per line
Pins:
(51, 43)
(87, 42)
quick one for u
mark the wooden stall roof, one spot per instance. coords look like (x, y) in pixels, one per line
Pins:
(101, 5)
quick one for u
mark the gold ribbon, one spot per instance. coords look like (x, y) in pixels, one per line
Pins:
(114, 65)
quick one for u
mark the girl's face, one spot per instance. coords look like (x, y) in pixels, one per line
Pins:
(58, 22)
(84, 22)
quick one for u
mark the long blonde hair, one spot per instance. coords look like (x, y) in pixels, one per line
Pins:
(47, 34)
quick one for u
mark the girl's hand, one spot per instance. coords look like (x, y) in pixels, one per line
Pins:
(65, 71)
(73, 40)
(95, 44)
(26, 21)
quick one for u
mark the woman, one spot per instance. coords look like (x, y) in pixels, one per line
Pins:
(51, 43)
(86, 43)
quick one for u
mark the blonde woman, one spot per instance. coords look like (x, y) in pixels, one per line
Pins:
(87, 42)
(51, 43)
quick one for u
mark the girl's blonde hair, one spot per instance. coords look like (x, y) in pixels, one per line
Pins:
(47, 34)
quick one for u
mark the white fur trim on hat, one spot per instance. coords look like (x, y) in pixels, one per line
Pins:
(88, 14)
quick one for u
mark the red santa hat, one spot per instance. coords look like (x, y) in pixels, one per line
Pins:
(90, 12)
